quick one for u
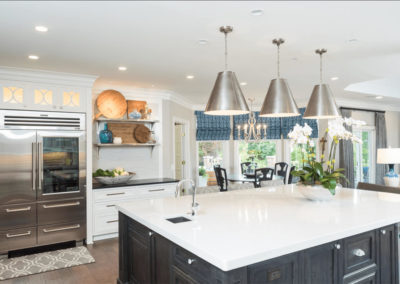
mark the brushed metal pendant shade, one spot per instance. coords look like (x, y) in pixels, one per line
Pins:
(321, 105)
(226, 97)
(279, 100)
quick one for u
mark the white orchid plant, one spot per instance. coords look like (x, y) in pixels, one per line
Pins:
(315, 172)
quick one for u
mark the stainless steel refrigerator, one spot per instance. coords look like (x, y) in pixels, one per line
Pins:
(42, 178)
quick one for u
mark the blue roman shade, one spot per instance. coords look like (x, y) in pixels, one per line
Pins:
(216, 127)
(289, 122)
(273, 130)
(212, 127)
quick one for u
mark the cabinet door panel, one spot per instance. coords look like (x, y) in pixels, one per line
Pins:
(161, 258)
(387, 255)
(283, 270)
(139, 257)
(320, 264)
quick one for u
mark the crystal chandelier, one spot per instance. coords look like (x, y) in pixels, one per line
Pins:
(252, 130)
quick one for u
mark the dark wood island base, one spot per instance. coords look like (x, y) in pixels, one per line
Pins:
(371, 257)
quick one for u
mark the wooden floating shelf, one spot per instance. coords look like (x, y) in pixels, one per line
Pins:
(128, 120)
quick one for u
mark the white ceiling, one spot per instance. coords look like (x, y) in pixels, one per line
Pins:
(158, 42)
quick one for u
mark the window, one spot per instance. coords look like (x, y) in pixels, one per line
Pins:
(364, 155)
(210, 154)
(262, 153)
(297, 156)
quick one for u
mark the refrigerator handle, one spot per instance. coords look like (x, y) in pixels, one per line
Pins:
(34, 162)
(40, 165)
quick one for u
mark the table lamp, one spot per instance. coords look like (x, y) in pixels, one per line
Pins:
(389, 156)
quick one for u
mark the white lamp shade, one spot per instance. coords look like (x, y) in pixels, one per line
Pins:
(388, 156)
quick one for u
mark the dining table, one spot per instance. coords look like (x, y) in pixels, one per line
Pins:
(245, 178)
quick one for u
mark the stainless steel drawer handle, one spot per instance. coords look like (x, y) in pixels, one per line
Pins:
(117, 193)
(191, 260)
(112, 221)
(62, 205)
(383, 232)
(18, 235)
(28, 208)
(111, 205)
(153, 190)
(77, 226)
(358, 252)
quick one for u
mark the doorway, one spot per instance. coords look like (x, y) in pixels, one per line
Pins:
(181, 149)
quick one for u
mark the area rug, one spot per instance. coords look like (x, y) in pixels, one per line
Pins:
(45, 261)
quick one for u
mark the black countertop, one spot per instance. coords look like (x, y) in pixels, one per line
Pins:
(135, 182)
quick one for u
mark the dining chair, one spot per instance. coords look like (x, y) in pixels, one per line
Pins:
(290, 179)
(262, 174)
(245, 165)
(281, 169)
(221, 177)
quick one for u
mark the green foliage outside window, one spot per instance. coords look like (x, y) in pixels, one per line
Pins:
(260, 151)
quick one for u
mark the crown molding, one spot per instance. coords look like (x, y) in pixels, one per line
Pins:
(46, 77)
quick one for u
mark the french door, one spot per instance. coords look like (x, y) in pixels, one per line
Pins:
(364, 155)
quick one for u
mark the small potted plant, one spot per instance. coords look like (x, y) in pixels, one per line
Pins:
(202, 176)
(319, 177)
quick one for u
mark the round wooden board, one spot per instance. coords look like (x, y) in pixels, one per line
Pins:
(142, 134)
(111, 104)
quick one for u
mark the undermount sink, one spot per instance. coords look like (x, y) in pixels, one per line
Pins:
(179, 219)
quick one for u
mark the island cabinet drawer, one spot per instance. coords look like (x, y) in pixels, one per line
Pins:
(197, 268)
(359, 252)
(282, 270)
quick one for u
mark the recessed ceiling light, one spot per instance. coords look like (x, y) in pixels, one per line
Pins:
(334, 78)
(243, 83)
(122, 68)
(379, 97)
(353, 40)
(189, 77)
(257, 12)
(202, 41)
(41, 29)
(33, 57)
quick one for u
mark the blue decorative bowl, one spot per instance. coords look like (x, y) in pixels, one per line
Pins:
(135, 115)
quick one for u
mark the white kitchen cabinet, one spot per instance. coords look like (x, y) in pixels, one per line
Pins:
(105, 215)
(20, 95)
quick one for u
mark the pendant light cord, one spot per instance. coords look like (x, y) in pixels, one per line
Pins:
(226, 51)
(320, 68)
(320, 52)
(278, 61)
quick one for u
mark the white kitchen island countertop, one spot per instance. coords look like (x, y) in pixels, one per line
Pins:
(239, 228)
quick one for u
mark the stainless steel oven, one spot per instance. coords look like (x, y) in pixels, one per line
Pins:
(42, 176)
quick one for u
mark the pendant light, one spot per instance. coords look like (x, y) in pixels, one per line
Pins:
(279, 100)
(226, 97)
(321, 105)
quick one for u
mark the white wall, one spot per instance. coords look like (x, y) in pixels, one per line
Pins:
(173, 110)
(146, 162)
